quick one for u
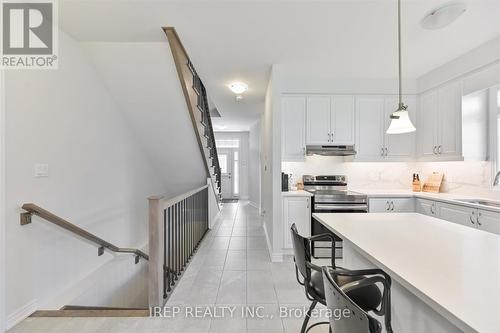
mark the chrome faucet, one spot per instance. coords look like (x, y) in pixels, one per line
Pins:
(497, 179)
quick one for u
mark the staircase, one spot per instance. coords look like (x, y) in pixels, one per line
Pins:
(198, 106)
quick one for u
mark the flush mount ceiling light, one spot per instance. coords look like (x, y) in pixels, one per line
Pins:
(443, 15)
(400, 120)
(238, 87)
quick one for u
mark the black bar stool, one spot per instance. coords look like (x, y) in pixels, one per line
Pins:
(356, 320)
(367, 296)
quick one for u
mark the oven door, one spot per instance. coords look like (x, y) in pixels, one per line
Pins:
(323, 249)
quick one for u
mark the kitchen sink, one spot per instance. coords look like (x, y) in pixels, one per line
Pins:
(495, 204)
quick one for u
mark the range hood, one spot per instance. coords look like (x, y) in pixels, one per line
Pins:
(333, 150)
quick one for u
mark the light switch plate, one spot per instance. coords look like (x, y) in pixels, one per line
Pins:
(41, 170)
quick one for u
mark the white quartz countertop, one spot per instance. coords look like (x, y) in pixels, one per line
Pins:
(443, 197)
(452, 268)
(298, 193)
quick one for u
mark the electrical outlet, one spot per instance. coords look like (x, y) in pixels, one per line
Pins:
(41, 170)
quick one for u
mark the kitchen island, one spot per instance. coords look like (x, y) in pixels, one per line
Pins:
(446, 277)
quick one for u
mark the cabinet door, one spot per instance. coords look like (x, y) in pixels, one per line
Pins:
(370, 128)
(426, 207)
(427, 125)
(293, 128)
(318, 120)
(379, 205)
(489, 221)
(403, 205)
(296, 210)
(458, 214)
(343, 120)
(450, 118)
(400, 146)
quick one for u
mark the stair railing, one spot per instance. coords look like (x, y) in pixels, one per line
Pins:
(176, 228)
(32, 209)
(196, 97)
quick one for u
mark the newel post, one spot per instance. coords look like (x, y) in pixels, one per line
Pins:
(155, 268)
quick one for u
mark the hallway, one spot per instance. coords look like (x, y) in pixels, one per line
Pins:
(231, 270)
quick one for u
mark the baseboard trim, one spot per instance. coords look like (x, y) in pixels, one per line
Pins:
(22, 313)
(275, 256)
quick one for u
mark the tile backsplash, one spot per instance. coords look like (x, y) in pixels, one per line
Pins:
(467, 178)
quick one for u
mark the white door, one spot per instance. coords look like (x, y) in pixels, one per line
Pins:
(400, 146)
(318, 120)
(369, 131)
(450, 117)
(427, 125)
(226, 166)
(293, 118)
(489, 221)
(343, 117)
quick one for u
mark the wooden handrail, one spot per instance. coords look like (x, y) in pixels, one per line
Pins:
(165, 203)
(32, 209)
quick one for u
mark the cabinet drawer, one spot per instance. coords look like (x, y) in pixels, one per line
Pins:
(426, 207)
(391, 205)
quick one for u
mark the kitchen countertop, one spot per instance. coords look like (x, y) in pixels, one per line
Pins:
(298, 193)
(457, 274)
(443, 197)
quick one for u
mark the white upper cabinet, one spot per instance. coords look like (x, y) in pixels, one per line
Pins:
(450, 116)
(439, 125)
(400, 146)
(293, 117)
(318, 130)
(373, 144)
(330, 120)
(427, 129)
(370, 128)
(343, 120)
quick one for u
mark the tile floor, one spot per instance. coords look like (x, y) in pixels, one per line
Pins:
(230, 271)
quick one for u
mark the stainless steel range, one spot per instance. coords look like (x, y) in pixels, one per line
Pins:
(331, 196)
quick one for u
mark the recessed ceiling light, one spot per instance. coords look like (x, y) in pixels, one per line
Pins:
(238, 87)
(442, 16)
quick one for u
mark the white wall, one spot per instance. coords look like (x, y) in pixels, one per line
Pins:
(254, 164)
(99, 178)
(2, 203)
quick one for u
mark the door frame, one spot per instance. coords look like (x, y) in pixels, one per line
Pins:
(230, 153)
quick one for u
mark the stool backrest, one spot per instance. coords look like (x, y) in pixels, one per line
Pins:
(301, 252)
(348, 317)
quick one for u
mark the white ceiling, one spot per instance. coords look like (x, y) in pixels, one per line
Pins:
(240, 40)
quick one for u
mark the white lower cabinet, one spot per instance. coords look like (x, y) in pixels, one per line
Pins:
(296, 210)
(457, 214)
(391, 205)
(488, 221)
(468, 216)
(426, 207)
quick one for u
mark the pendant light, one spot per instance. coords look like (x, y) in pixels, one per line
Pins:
(400, 120)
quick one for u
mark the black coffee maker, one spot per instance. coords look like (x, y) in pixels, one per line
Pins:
(284, 182)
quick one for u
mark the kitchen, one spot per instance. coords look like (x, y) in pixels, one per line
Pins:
(338, 161)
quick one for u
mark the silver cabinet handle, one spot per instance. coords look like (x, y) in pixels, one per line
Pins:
(387, 205)
(478, 222)
(328, 137)
(386, 151)
(434, 150)
(470, 218)
(439, 149)
(392, 206)
(432, 209)
(381, 151)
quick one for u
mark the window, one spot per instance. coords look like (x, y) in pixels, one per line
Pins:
(223, 163)
(227, 143)
(236, 174)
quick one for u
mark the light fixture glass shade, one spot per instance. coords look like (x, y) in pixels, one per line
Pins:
(238, 87)
(402, 124)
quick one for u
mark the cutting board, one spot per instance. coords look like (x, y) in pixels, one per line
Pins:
(433, 182)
